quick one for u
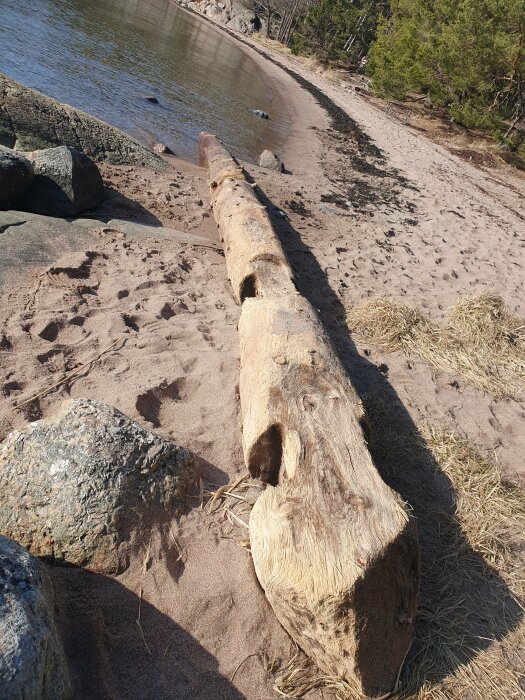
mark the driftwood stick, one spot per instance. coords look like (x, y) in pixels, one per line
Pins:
(333, 546)
(72, 375)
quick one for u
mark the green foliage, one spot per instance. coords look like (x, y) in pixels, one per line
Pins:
(467, 55)
(328, 26)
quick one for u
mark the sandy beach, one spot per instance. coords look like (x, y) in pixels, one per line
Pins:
(368, 207)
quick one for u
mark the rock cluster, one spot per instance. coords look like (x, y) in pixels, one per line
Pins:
(230, 14)
(76, 486)
(32, 661)
(58, 181)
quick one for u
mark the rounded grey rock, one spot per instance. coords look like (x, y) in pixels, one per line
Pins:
(16, 174)
(76, 486)
(261, 113)
(32, 661)
(162, 148)
(270, 161)
(66, 182)
(31, 121)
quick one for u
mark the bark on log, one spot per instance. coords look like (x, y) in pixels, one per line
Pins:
(333, 546)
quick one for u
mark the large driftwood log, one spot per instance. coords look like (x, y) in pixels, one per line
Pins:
(333, 546)
(257, 265)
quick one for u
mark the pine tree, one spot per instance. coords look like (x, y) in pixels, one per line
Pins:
(466, 55)
(338, 29)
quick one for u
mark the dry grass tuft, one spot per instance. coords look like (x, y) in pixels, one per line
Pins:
(483, 343)
(470, 638)
(298, 677)
(232, 504)
(489, 510)
(470, 632)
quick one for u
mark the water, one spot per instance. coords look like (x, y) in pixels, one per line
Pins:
(103, 56)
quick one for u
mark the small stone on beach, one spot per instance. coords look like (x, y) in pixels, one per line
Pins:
(162, 148)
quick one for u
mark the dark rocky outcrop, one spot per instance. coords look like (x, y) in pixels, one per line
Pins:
(78, 485)
(16, 174)
(245, 23)
(31, 121)
(66, 182)
(32, 661)
(270, 161)
(232, 14)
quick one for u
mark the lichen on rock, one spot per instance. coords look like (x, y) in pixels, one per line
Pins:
(78, 485)
(32, 661)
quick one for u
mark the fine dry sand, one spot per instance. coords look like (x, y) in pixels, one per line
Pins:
(368, 207)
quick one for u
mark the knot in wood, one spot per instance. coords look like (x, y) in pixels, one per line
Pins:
(310, 403)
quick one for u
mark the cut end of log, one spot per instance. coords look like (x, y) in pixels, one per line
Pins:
(358, 624)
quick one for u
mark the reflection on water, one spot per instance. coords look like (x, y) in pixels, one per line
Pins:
(103, 56)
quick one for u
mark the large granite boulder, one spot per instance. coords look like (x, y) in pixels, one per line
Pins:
(31, 121)
(66, 182)
(216, 13)
(16, 174)
(77, 486)
(270, 161)
(246, 22)
(32, 661)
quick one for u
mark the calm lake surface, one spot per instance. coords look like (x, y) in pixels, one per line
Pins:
(103, 56)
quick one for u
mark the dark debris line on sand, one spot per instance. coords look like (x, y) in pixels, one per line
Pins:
(368, 162)
(341, 121)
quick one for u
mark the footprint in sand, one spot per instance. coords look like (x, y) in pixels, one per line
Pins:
(131, 322)
(204, 329)
(12, 388)
(167, 311)
(53, 359)
(49, 332)
(5, 343)
(62, 331)
(156, 405)
(32, 411)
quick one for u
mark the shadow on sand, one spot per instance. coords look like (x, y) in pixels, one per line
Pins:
(467, 605)
(108, 656)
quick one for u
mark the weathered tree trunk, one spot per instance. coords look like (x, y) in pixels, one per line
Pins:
(332, 544)
(269, 12)
(288, 21)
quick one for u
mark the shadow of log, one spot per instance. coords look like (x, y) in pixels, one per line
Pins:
(109, 654)
(464, 604)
